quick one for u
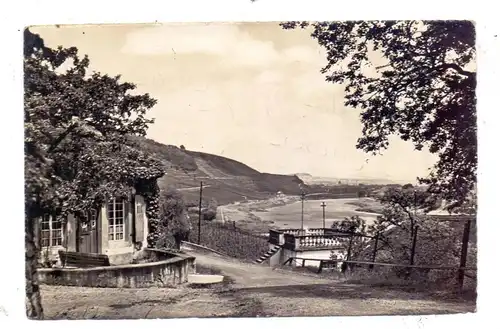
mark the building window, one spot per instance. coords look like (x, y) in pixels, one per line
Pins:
(92, 218)
(116, 219)
(51, 231)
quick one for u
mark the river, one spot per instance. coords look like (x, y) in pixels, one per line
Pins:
(336, 209)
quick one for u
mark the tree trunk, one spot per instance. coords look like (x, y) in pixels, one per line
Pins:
(34, 309)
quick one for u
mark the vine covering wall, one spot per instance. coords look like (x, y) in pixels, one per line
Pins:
(150, 190)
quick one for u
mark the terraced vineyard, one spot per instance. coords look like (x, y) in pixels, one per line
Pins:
(227, 180)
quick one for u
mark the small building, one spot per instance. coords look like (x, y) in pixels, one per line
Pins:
(118, 228)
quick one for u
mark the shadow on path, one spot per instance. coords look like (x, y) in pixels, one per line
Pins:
(340, 291)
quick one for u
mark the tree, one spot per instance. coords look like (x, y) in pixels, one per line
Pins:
(403, 208)
(174, 220)
(77, 151)
(403, 217)
(424, 93)
(357, 243)
(354, 224)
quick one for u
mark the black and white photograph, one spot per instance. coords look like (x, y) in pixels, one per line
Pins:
(250, 169)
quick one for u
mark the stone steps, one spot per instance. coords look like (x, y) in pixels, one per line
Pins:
(268, 254)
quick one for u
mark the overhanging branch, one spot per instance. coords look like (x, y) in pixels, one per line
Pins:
(457, 68)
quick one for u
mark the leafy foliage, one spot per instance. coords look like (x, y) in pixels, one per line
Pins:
(354, 224)
(210, 212)
(76, 128)
(424, 92)
(402, 206)
(402, 218)
(174, 220)
(77, 150)
(150, 190)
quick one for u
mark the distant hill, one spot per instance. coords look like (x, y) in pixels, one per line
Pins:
(318, 180)
(225, 179)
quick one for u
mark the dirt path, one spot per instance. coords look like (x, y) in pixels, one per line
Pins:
(191, 188)
(247, 275)
(285, 293)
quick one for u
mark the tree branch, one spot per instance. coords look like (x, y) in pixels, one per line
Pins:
(404, 209)
(457, 68)
(60, 138)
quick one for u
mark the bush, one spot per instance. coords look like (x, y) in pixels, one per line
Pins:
(208, 214)
(174, 220)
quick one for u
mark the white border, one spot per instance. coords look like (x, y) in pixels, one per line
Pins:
(34, 12)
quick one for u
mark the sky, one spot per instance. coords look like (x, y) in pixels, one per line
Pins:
(252, 92)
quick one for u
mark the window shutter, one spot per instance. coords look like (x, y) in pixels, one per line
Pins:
(139, 219)
(64, 233)
(126, 220)
(37, 233)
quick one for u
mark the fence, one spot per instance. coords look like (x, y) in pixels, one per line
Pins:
(426, 257)
(461, 236)
(227, 238)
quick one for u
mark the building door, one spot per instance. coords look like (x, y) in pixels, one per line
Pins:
(88, 234)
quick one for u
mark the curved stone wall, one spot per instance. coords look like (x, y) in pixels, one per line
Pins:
(166, 269)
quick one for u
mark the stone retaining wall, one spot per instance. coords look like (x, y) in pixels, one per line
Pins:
(167, 269)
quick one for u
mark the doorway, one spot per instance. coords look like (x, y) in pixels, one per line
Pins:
(88, 237)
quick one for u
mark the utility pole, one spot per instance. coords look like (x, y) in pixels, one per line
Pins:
(199, 213)
(323, 205)
(302, 198)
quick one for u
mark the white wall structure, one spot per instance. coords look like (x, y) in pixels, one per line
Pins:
(311, 244)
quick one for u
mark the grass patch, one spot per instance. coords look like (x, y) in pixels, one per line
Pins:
(444, 288)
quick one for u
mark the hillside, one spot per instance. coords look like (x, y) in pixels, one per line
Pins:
(224, 179)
